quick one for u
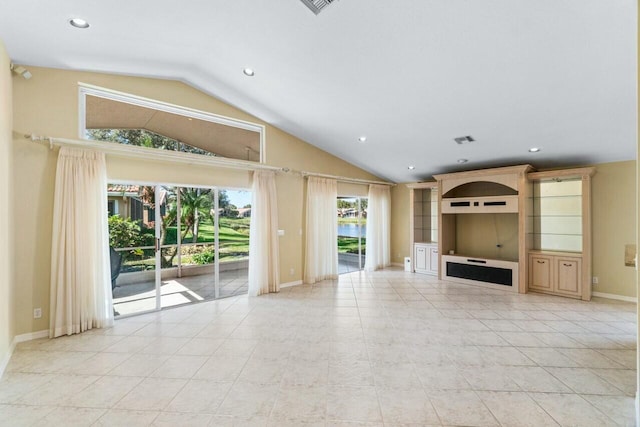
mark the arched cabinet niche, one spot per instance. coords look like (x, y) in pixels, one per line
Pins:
(483, 227)
(508, 228)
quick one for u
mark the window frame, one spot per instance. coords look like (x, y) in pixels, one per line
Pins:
(85, 89)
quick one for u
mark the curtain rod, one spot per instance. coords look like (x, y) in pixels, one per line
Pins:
(347, 179)
(133, 151)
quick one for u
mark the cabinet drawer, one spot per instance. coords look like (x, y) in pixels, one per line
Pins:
(568, 273)
(540, 272)
(420, 258)
(433, 258)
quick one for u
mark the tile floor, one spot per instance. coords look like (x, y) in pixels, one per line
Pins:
(138, 297)
(382, 349)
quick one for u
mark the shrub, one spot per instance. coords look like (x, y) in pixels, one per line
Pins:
(124, 232)
(204, 257)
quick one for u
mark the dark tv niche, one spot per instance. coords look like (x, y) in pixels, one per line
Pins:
(480, 273)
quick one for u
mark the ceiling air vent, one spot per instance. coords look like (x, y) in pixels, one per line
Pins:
(463, 139)
(316, 6)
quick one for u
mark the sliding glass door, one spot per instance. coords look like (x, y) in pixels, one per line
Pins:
(165, 243)
(132, 240)
(352, 223)
(234, 218)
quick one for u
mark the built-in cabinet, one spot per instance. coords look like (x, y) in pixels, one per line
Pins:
(425, 257)
(559, 232)
(482, 227)
(423, 211)
(507, 228)
(555, 273)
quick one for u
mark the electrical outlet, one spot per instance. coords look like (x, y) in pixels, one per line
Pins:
(292, 272)
(37, 313)
(594, 280)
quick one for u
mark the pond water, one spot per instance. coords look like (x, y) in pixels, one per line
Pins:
(352, 230)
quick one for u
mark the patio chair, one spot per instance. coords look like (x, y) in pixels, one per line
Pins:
(116, 263)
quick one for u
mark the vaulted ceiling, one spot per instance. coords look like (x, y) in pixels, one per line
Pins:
(409, 75)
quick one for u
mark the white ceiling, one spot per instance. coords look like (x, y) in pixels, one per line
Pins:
(409, 74)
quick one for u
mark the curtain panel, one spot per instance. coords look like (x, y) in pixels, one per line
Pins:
(264, 263)
(81, 296)
(378, 246)
(321, 249)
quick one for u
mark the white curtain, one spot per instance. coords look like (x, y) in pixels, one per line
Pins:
(378, 228)
(80, 267)
(264, 276)
(321, 250)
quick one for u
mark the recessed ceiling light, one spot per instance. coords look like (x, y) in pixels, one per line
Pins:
(534, 150)
(411, 167)
(362, 139)
(249, 72)
(78, 23)
(462, 160)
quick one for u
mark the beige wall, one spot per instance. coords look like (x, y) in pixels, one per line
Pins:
(48, 104)
(613, 222)
(479, 235)
(400, 237)
(637, 222)
(614, 225)
(6, 252)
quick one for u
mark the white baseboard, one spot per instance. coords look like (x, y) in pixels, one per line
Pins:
(289, 284)
(31, 336)
(614, 296)
(397, 264)
(637, 404)
(5, 360)
(16, 340)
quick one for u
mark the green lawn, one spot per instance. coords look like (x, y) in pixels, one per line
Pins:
(363, 221)
(234, 231)
(234, 242)
(350, 245)
(233, 239)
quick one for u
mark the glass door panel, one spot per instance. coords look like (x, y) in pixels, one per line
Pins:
(165, 242)
(234, 216)
(351, 234)
(167, 214)
(196, 270)
(132, 248)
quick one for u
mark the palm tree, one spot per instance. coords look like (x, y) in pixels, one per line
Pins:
(147, 195)
(195, 204)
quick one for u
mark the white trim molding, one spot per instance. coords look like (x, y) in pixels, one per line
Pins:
(114, 95)
(7, 356)
(346, 179)
(135, 152)
(614, 296)
(16, 340)
(290, 284)
(31, 336)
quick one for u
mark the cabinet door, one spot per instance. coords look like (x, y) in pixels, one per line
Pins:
(421, 258)
(568, 275)
(433, 258)
(540, 272)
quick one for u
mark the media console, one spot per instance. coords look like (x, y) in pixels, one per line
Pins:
(497, 274)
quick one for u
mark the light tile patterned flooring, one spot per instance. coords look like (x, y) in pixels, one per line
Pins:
(138, 297)
(382, 349)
